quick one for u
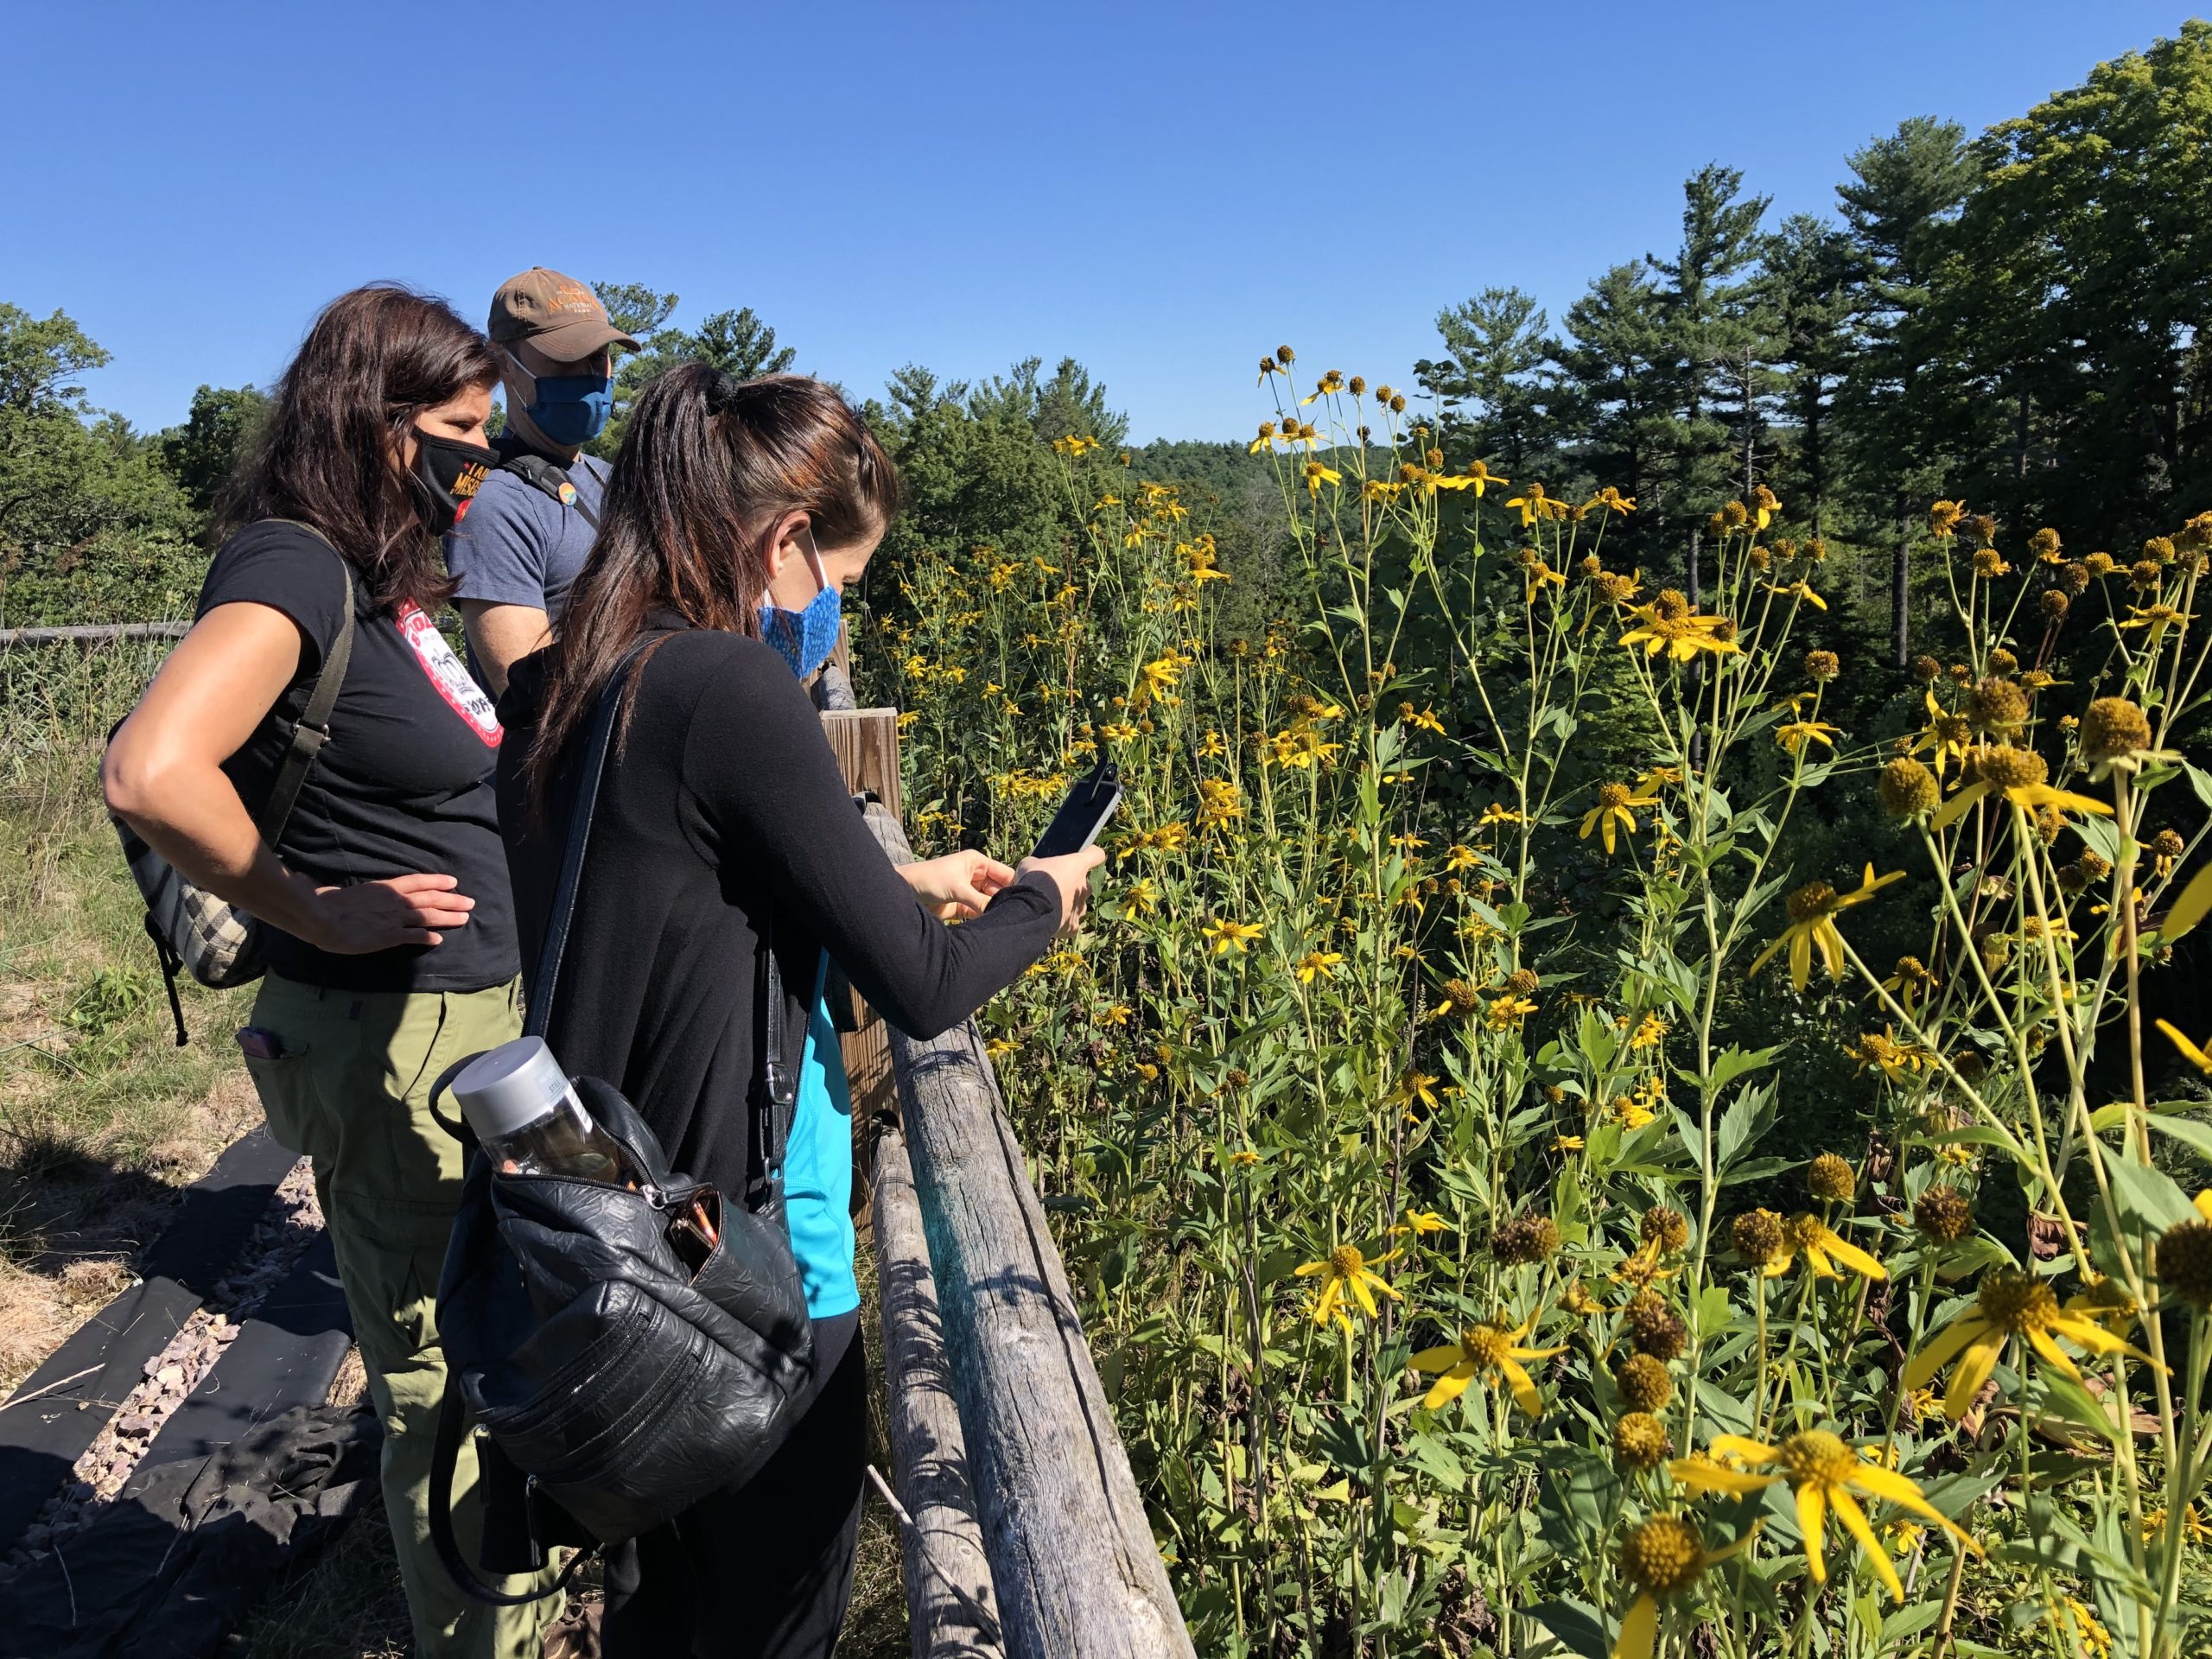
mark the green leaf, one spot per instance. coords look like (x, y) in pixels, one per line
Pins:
(1733, 1063)
(2101, 835)
(2063, 1397)
(2187, 1130)
(2149, 1200)
(1746, 1120)
(1575, 1626)
(2199, 780)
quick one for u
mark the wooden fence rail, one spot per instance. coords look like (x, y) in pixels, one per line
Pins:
(94, 633)
(1029, 1538)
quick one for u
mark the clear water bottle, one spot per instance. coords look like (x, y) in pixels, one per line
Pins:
(526, 1115)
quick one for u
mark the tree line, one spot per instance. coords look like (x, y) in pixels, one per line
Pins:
(2013, 319)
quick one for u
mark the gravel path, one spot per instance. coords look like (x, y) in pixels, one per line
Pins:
(286, 1228)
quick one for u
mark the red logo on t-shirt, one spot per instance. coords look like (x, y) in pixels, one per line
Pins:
(448, 672)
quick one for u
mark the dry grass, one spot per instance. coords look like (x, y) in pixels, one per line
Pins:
(103, 1118)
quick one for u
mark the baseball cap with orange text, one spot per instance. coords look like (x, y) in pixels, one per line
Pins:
(559, 316)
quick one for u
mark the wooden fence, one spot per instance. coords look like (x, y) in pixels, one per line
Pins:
(1024, 1534)
(93, 633)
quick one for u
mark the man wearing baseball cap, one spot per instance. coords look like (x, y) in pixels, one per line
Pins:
(526, 535)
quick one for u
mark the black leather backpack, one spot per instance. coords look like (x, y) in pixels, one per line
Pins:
(619, 1371)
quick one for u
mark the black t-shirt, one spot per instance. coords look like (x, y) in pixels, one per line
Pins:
(725, 799)
(403, 785)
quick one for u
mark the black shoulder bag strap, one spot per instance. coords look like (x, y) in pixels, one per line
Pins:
(445, 1452)
(312, 730)
(309, 733)
(774, 1088)
(542, 474)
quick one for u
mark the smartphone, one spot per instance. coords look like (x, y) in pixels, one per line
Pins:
(1082, 814)
(257, 1044)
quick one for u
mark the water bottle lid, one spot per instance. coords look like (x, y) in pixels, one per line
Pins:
(506, 1088)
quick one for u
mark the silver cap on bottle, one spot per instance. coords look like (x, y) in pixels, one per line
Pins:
(509, 1087)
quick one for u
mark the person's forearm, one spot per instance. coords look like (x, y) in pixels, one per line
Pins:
(198, 824)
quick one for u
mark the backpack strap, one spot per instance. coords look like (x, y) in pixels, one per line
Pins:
(564, 911)
(540, 474)
(445, 1461)
(312, 730)
(774, 1091)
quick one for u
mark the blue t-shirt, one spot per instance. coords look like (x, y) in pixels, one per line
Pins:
(517, 546)
(818, 1168)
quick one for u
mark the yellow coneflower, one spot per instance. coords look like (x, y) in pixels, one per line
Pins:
(1482, 1351)
(1346, 1272)
(2019, 776)
(1897, 1061)
(1669, 625)
(1232, 936)
(1617, 806)
(2009, 1304)
(1824, 1473)
(1813, 910)
(1662, 1557)
(1807, 1236)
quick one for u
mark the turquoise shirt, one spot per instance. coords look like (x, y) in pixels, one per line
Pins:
(818, 1168)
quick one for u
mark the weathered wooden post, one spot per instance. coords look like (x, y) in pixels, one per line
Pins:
(1026, 1489)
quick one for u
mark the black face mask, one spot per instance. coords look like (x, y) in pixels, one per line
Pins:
(452, 471)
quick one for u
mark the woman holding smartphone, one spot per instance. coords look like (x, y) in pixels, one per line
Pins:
(736, 515)
(390, 939)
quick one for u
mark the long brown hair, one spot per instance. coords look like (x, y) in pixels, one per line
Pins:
(328, 455)
(709, 464)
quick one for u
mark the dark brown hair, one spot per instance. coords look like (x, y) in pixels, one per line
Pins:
(709, 465)
(375, 360)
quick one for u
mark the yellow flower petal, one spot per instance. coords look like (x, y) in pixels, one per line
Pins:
(1812, 1511)
(1852, 1256)
(1899, 1489)
(1955, 809)
(1524, 1387)
(1702, 1477)
(1855, 1523)
(2052, 1353)
(1937, 1352)
(1432, 1360)
(1639, 1629)
(1973, 1370)
(1449, 1386)
(1735, 1446)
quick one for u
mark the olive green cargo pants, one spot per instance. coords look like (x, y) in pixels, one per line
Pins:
(351, 1091)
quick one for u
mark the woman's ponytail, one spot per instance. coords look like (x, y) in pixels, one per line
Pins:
(710, 465)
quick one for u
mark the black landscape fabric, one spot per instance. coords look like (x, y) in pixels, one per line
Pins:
(170, 1570)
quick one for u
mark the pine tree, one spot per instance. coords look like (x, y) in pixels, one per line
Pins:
(1716, 330)
(1905, 189)
(1491, 387)
(1809, 298)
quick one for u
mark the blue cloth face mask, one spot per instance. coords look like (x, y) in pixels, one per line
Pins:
(804, 638)
(570, 409)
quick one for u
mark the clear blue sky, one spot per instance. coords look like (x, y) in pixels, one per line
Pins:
(1164, 192)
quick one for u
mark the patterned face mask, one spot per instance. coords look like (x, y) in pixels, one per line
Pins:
(804, 638)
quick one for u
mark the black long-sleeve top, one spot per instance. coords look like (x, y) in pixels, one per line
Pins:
(724, 798)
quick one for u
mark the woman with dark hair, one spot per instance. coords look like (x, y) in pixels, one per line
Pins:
(736, 515)
(390, 929)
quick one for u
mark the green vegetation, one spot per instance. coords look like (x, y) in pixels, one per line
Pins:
(1425, 1059)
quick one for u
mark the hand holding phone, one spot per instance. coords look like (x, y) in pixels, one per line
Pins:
(1084, 813)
